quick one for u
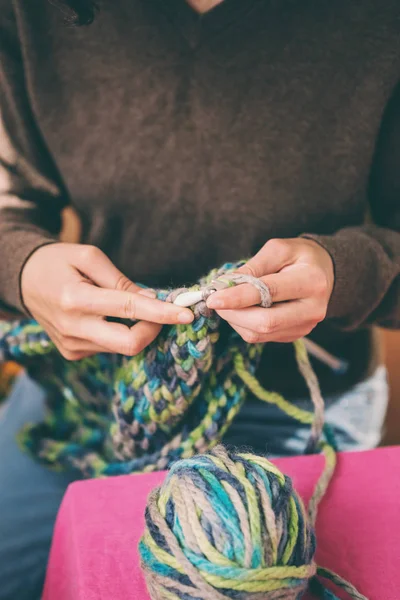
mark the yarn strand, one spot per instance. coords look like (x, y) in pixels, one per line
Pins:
(302, 416)
(341, 583)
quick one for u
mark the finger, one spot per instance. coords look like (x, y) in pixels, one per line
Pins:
(279, 317)
(73, 344)
(74, 348)
(93, 263)
(287, 336)
(271, 258)
(74, 356)
(287, 285)
(118, 338)
(124, 305)
(71, 349)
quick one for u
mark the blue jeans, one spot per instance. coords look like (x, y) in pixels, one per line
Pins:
(30, 494)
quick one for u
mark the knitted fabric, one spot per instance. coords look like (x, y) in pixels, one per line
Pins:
(109, 414)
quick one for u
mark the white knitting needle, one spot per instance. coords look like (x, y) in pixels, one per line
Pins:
(188, 299)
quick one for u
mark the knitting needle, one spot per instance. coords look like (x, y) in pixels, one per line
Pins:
(188, 299)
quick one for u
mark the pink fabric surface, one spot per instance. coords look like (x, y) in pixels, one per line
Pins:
(94, 553)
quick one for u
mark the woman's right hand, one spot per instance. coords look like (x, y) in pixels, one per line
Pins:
(70, 289)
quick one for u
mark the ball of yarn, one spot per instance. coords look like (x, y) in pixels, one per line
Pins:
(227, 526)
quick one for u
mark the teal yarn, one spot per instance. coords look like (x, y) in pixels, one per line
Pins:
(228, 526)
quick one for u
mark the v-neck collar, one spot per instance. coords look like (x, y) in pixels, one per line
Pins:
(197, 27)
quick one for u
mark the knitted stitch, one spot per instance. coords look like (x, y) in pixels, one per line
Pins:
(109, 414)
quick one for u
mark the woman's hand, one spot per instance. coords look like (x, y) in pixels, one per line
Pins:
(300, 277)
(70, 289)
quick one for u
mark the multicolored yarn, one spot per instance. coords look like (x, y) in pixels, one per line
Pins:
(110, 415)
(231, 527)
(223, 526)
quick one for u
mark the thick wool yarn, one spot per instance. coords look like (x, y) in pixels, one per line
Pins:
(231, 527)
(110, 415)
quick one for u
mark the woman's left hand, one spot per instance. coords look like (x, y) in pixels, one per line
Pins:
(300, 276)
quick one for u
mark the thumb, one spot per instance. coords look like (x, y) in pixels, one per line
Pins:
(271, 258)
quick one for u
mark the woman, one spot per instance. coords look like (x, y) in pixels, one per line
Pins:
(185, 134)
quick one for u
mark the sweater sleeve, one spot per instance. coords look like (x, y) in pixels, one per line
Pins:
(367, 258)
(31, 199)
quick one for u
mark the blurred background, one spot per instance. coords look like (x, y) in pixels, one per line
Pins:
(390, 345)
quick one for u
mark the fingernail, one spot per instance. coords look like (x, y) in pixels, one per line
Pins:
(185, 317)
(148, 293)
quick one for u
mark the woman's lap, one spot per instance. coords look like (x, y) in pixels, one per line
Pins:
(30, 494)
(356, 418)
(29, 499)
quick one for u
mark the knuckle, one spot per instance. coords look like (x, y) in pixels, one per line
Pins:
(320, 285)
(68, 301)
(64, 328)
(264, 327)
(308, 329)
(273, 289)
(268, 325)
(251, 337)
(250, 269)
(67, 354)
(130, 307)
(155, 330)
(307, 249)
(276, 245)
(123, 284)
(132, 347)
(68, 343)
(90, 253)
(320, 314)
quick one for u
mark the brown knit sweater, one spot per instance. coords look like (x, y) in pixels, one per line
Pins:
(186, 141)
